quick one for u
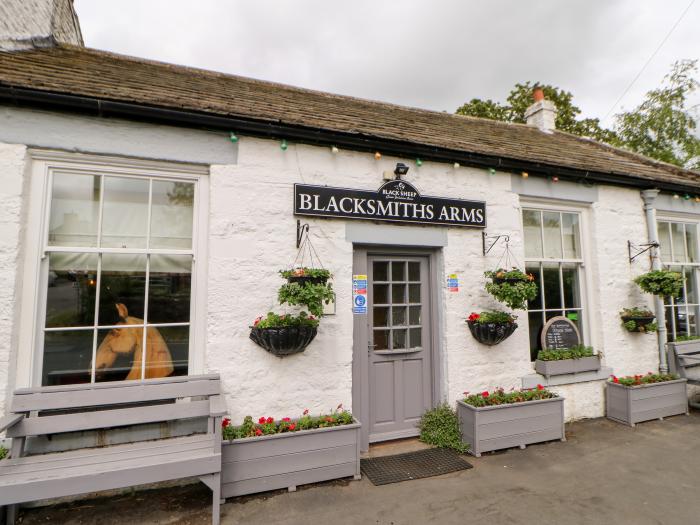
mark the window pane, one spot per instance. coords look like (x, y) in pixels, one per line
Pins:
(680, 298)
(414, 271)
(381, 293)
(125, 212)
(415, 335)
(171, 215)
(75, 207)
(381, 339)
(70, 297)
(552, 234)
(122, 288)
(571, 235)
(398, 316)
(665, 240)
(536, 303)
(118, 355)
(533, 235)
(414, 314)
(691, 242)
(167, 351)
(572, 290)
(690, 285)
(381, 316)
(67, 357)
(169, 283)
(552, 292)
(398, 293)
(398, 338)
(381, 271)
(678, 237)
(535, 324)
(398, 271)
(670, 325)
(414, 293)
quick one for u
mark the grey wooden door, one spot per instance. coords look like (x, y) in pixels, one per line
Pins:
(399, 340)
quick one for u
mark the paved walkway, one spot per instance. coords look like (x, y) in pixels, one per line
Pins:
(604, 473)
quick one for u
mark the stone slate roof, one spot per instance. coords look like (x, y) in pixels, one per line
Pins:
(74, 70)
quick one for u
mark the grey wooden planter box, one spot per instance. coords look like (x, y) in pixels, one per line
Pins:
(634, 404)
(567, 366)
(286, 460)
(516, 425)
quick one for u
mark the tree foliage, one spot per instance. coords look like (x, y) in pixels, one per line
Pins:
(663, 126)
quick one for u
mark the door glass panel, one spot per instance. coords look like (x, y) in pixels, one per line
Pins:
(381, 293)
(398, 271)
(552, 294)
(171, 215)
(414, 271)
(532, 226)
(665, 240)
(414, 293)
(571, 235)
(75, 209)
(398, 317)
(381, 316)
(380, 271)
(552, 234)
(398, 338)
(70, 296)
(414, 315)
(125, 212)
(415, 335)
(381, 339)
(678, 236)
(398, 293)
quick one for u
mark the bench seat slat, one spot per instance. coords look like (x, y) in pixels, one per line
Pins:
(118, 417)
(92, 479)
(140, 391)
(83, 457)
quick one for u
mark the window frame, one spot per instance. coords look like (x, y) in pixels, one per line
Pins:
(41, 166)
(588, 336)
(669, 308)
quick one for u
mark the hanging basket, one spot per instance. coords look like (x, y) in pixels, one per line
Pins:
(641, 322)
(491, 333)
(285, 340)
(303, 280)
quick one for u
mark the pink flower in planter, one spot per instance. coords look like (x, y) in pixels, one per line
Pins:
(286, 419)
(292, 426)
(270, 420)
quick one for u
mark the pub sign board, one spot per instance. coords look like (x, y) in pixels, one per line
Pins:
(560, 333)
(395, 201)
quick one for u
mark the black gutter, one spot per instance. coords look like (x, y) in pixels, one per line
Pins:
(318, 136)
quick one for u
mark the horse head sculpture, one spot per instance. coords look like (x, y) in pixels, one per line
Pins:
(129, 341)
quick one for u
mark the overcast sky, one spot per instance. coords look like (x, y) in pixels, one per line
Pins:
(430, 54)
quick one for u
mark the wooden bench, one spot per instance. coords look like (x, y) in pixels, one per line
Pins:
(57, 409)
(684, 360)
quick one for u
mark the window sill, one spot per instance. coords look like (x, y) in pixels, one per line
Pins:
(532, 380)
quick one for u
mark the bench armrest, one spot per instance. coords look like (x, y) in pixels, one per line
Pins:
(10, 420)
(217, 407)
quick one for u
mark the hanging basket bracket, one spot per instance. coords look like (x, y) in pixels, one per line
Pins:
(639, 249)
(485, 239)
(301, 230)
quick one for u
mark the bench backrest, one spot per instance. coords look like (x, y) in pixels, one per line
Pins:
(685, 355)
(106, 405)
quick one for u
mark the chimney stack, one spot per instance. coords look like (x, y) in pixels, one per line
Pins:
(28, 24)
(542, 113)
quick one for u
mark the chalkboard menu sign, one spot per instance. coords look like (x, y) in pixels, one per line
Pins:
(560, 332)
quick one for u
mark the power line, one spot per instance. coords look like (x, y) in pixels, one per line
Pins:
(649, 60)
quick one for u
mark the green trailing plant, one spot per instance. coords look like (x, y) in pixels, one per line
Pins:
(311, 295)
(501, 397)
(273, 320)
(633, 319)
(512, 287)
(682, 338)
(575, 352)
(313, 273)
(439, 426)
(638, 380)
(661, 282)
(491, 316)
(3, 452)
(268, 426)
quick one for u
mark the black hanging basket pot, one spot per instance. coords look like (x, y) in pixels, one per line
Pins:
(491, 333)
(302, 280)
(642, 321)
(285, 340)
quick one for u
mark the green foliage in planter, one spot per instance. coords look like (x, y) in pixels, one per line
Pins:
(276, 321)
(682, 338)
(513, 294)
(267, 425)
(492, 316)
(633, 326)
(439, 426)
(3, 452)
(501, 397)
(315, 273)
(661, 282)
(575, 352)
(636, 312)
(310, 295)
(638, 380)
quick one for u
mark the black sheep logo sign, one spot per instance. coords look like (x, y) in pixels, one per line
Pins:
(395, 201)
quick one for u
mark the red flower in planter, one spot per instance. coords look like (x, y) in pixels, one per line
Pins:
(270, 420)
(540, 387)
(286, 419)
(485, 393)
(615, 379)
(258, 432)
(262, 420)
(292, 426)
(225, 422)
(473, 317)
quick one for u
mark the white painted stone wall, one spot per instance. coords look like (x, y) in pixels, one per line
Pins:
(12, 169)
